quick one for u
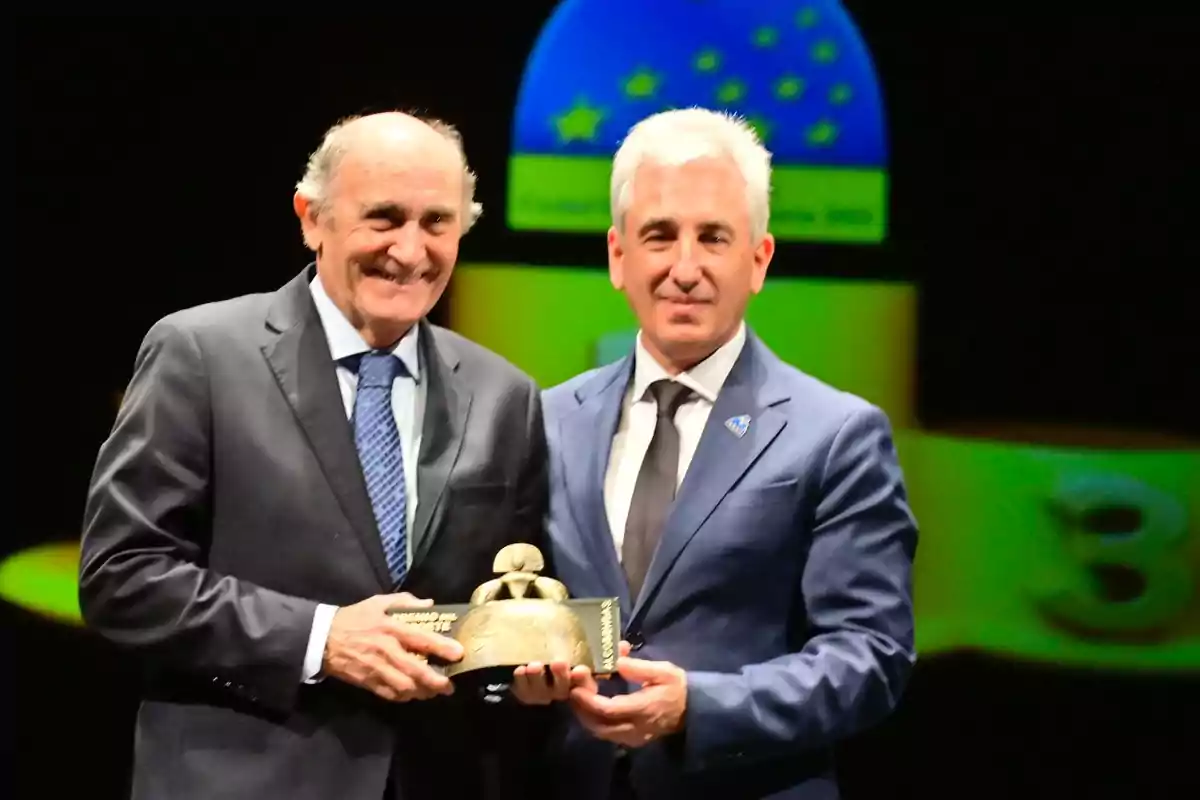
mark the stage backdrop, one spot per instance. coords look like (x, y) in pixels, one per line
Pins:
(1049, 455)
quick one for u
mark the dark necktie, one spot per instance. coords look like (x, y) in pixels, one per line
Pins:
(655, 488)
(379, 452)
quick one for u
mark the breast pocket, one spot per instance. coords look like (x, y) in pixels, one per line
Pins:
(765, 497)
(480, 509)
(750, 550)
(480, 495)
(756, 524)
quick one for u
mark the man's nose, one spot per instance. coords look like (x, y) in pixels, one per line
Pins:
(408, 247)
(686, 270)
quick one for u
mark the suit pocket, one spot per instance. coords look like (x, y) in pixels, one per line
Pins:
(771, 494)
(751, 549)
(757, 521)
(479, 494)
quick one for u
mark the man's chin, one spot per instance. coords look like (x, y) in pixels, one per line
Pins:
(383, 287)
(685, 329)
(383, 294)
(682, 342)
(394, 314)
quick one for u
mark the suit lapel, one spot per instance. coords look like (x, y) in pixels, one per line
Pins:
(298, 354)
(586, 439)
(447, 407)
(721, 458)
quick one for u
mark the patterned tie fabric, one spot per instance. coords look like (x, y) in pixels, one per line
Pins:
(380, 454)
(654, 491)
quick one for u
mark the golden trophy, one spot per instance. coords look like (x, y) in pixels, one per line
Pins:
(522, 617)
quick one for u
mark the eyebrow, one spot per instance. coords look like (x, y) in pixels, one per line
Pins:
(393, 212)
(666, 225)
(660, 224)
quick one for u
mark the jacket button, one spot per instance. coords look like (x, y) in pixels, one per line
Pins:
(635, 640)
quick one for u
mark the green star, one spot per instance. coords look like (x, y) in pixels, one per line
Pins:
(766, 37)
(806, 17)
(762, 126)
(580, 123)
(708, 60)
(840, 94)
(825, 51)
(789, 87)
(822, 134)
(731, 91)
(642, 84)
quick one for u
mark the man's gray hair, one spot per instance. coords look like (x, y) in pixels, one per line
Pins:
(681, 135)
(324, 161)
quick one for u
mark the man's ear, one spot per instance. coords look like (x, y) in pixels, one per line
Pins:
(306, 212)
(616, 259)
(763, 253)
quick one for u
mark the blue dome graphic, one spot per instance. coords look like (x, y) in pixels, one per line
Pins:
(798, 71)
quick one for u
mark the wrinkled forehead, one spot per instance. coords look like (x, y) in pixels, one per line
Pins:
(400, 170)
(706, 189)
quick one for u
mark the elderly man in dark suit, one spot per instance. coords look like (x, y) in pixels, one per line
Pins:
(288, 466)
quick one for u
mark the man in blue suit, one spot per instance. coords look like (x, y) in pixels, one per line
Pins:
(752, 519)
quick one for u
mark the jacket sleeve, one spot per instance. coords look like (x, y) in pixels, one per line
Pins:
(856, 588)
(143, 581)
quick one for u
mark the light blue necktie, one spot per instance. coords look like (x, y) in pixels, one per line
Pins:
(381, 456)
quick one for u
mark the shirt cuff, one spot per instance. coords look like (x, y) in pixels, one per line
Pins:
(315, 655)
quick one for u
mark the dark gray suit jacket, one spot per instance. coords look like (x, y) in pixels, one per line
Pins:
(228, 501)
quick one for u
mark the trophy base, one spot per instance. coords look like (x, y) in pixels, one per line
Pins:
(500, 635)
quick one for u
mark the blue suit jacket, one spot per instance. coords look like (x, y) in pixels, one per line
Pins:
(781, 582)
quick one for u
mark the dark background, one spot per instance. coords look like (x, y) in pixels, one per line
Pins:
(1040, 198)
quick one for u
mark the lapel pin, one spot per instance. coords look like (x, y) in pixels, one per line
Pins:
(738, 425)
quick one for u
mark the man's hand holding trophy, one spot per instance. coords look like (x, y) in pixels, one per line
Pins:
(521, 628)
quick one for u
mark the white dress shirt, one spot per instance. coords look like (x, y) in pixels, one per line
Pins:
(408, 405)
(639, 413)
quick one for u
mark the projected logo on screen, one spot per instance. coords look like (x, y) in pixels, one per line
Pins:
(797, 71)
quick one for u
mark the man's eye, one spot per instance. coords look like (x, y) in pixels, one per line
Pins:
(382, 221)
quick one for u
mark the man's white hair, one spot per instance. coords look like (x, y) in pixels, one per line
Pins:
(323, 163)
(681, 135)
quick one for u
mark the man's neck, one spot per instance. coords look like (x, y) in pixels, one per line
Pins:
(382, 337)
(683, 360)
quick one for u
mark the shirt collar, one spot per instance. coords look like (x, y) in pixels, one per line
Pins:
(345, 342)
(705, 379)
